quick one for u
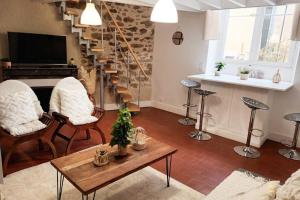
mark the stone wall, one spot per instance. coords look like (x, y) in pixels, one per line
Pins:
(139, 31)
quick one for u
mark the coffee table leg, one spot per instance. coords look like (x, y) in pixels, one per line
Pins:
(86, 197)
(59, 185)
(168, 169)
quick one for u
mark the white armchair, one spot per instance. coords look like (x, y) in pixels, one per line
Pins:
(71, 105)
(22, 119)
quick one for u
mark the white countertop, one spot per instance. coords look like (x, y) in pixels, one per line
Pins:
(251, 82)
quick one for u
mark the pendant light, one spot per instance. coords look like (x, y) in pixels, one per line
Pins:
(90, 15)
(164, 11)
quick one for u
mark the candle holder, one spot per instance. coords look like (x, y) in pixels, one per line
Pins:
(101, 157)
(139, 139)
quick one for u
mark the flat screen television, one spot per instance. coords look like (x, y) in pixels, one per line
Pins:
(39, 49)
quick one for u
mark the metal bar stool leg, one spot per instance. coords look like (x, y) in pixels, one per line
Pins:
(199, 134)
(247, 150)
(292, 153)
(187, 120)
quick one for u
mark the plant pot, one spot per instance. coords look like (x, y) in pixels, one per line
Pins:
(244, 76)
(122, 151)
(6, 65)
(217, 73)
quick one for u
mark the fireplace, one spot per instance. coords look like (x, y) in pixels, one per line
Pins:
(43, 93)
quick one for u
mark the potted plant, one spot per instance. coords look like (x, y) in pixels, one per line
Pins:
(121, 132)
(244, 74)
(219, 66)
(5, 62)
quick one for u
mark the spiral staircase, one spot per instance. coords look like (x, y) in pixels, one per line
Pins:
(107, 69)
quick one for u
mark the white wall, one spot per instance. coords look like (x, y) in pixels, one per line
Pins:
(284, 103)
(173, 63)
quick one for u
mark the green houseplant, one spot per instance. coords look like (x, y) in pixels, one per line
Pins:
(244, 74)
(5, 62)
(121, 131)
(219, 67)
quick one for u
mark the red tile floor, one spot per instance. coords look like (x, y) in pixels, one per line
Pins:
(200, 165)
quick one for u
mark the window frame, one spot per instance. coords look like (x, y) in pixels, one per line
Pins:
(255, 44)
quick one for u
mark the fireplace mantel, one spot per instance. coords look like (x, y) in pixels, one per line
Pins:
(40, 82)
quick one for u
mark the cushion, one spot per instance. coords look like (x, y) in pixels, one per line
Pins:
(291, 188)
(266, 191)
(77, 106)
(236, 183)
(26, 128)
(14, 86)
(69, 83)
(17, 108)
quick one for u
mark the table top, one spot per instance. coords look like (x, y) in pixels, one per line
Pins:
(78, 168)
(251, 82)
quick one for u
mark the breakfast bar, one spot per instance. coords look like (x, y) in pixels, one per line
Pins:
(225, 113)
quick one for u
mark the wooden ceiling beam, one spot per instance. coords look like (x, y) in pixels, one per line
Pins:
(239, 3)
(215, 4)
(270, 2)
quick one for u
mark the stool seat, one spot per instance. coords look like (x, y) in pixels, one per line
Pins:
(203, 92)
(292, 152)
(190, 84)
(254, 104)
(295, 117)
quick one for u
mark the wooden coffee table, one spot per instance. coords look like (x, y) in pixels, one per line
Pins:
(78, 168)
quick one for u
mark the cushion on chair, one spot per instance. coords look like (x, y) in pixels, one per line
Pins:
(13, 86)
(290, 189)
(26, 128)
(266, 191)
(77, 106)
(241, 186)
(69, 83)
(16, 108)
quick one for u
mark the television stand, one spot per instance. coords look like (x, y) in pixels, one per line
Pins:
(40, 72)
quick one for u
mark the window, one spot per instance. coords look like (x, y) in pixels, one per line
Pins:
(259, 36)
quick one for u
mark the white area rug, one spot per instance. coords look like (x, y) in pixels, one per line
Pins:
(39, 183)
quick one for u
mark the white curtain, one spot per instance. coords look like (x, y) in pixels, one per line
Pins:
(296, 25)
(212, 25)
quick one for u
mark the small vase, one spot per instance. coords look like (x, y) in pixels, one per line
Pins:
(277, 77)
(6, 65)
(244, 76)
(122, 150)
(217, 73)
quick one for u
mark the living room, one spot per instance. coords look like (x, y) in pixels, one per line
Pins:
(149, 99)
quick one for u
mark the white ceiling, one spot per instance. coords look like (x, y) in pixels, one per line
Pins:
(202, 5)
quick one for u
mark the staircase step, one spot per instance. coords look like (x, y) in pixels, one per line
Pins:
(122, 90)
(89, 38)
(71, 12)
(110, 71)
(133, 107)
(94, 49)
(102, 61)
(126, 97)
(81, 26)
(114, 80)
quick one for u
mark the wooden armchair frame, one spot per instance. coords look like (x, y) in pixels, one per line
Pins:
(41, 136)
(64, 120)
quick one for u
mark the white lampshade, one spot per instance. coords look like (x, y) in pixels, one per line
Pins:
(164, 11)
(90, 16)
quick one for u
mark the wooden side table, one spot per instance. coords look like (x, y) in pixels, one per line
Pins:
(1, 169)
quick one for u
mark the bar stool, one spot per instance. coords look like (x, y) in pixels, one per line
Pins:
(247, 151)
(292, 152)
(190, 85)
(199, 134)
